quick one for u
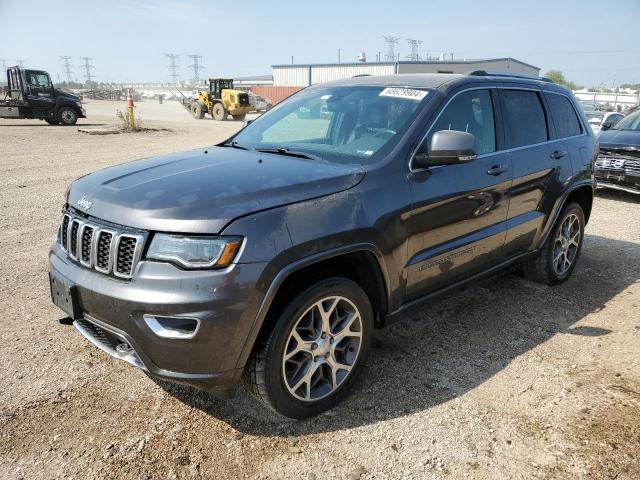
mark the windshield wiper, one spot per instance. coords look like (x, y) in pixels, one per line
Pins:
(234, 144)
(287, 152)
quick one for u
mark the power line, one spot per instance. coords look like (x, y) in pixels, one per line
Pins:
(173, 66)
(87, 68)
(391, 42)
(66, 64)
(415, 45)
(196, 66)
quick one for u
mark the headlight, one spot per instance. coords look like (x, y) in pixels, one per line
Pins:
(195, 251)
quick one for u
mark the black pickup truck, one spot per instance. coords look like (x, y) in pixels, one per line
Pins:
(30, 94)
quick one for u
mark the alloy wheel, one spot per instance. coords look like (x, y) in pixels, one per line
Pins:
(322, 348)
(567, 243)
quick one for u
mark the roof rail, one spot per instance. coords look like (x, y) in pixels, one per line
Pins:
(361, 75)
(483, 73)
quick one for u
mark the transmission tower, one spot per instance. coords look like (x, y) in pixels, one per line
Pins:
(415, 45)
(173, 66)
(392, 43)
(87, 68)
(196, 66)
(20, 63)
(66, 64)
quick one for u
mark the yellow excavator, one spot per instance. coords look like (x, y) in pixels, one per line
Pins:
(220, 101)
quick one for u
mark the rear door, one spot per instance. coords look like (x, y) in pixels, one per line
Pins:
(457, 221)
(541, 166)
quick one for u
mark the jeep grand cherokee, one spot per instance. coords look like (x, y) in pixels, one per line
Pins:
(272, 256)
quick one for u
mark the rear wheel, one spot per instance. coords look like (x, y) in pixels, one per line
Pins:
(67, 116)
(197, 110)
(219, 112)
(559, 254)
(315, 350)
(239, 118)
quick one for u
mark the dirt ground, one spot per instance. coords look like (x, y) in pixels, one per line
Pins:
(504, 379)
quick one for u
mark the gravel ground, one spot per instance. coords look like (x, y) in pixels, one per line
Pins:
(505, 379)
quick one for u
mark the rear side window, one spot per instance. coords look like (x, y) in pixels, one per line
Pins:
(564, 115)
(524, 118)
(470, 112)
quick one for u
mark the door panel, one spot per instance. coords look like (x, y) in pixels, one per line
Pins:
(457, 223)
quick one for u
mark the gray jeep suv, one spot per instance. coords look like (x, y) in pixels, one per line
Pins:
(273, 256)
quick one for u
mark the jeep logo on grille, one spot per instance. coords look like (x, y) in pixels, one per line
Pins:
(84, 203)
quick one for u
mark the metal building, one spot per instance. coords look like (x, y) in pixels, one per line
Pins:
(310, 74)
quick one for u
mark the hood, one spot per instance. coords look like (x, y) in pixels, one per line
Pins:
(200, 192)
(619, 139)
(67, 95)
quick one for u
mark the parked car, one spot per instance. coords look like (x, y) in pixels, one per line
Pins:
(603, 120)
(272, 257)
(618, 164)
(259, 103)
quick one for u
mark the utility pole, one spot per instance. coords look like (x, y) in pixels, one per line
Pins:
(392, 43)
(415, 45)
(66, 64)
(173, 67)
(87, 68)
(338, 55)
(196, 66)
(20, 63)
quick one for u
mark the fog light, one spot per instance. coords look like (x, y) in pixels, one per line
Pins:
(172, 327)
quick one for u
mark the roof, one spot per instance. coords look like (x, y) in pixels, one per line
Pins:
(402, 62)
(437, 80)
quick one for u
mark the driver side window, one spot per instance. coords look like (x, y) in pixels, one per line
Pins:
(470, 112)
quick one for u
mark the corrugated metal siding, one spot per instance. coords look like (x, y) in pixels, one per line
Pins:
(328, 73)
(273, 93)
(291, 76)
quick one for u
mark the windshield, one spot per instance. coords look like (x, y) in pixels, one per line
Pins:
(630, 122)
(345, 124)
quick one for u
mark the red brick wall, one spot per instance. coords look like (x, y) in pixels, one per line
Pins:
(275, 94)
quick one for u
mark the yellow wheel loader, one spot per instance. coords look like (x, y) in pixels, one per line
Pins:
(220, 101)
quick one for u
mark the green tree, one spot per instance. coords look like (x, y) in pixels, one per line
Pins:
(558, 77)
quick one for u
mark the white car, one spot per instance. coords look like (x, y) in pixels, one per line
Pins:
(599, 121)
(260, 104)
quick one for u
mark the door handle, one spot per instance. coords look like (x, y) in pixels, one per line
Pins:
(558, 154)
(497, 170)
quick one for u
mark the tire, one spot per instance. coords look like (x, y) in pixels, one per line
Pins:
(557, 258)
(51, 121)
(280, 383)
(197, 110)
(67, 116)
(219, 112)
(239, 118)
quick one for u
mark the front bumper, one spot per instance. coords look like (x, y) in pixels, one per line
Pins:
(617, 180)
(225, 303)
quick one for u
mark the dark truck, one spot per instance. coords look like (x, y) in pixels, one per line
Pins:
(30, 94)
(273, 256)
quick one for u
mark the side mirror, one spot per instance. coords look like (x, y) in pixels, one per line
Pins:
(247, 123)
(606, 125)
(448, 147)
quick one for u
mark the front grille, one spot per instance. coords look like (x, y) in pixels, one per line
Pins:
(126, 252)
(103, 251)
(64, 231)
(99, 335)
(92, 245)
(618, 163)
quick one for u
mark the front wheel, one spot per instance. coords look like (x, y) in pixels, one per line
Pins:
(67, 116)
(315, 350)
(559, 254)
(197, 110)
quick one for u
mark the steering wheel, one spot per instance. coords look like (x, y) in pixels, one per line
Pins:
(384, 132)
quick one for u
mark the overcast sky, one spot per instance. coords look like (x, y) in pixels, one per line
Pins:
(593, 42)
